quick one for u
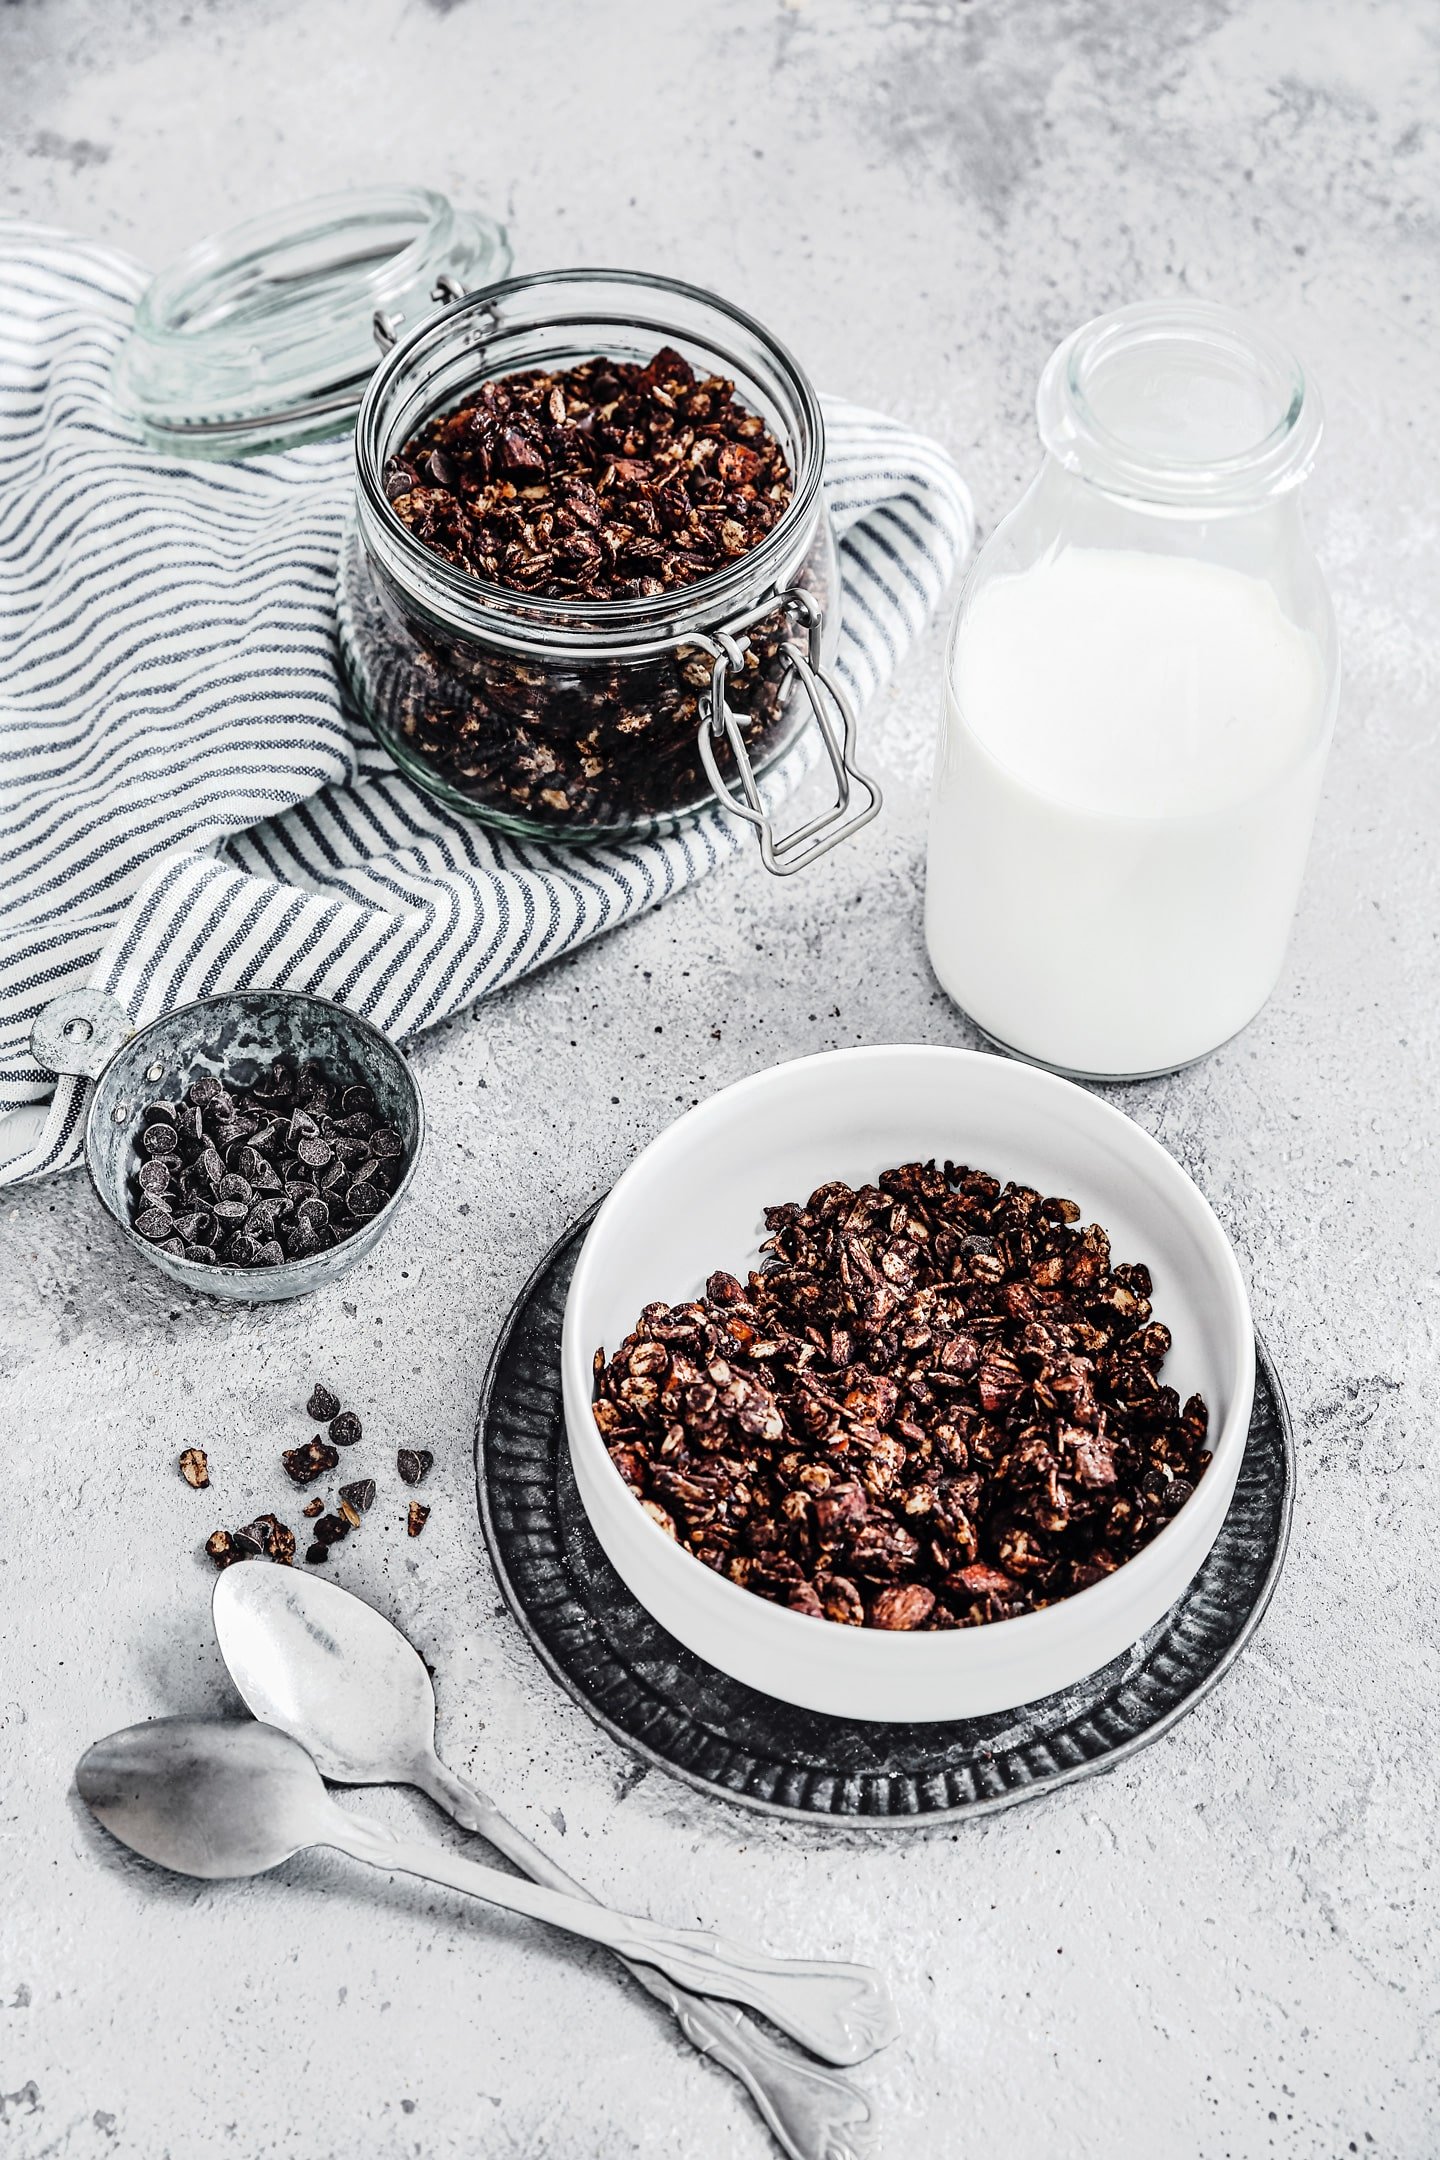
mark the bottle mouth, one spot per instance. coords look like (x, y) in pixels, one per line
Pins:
(1180, 403)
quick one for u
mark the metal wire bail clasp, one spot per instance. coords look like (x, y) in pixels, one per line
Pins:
(789, 852)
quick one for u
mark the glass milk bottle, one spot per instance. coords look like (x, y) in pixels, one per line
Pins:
(1140, 694)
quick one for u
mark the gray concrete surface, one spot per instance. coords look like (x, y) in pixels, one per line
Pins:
(1229, 1949)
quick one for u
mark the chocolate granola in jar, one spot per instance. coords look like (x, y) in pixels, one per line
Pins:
(590, 586)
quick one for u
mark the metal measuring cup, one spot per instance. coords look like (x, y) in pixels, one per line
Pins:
(89, 1035)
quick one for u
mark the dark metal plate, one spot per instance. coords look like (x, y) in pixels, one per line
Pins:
(681, 1715)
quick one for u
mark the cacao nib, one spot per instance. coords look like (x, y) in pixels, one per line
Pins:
(304, 1464)
(937, 1402)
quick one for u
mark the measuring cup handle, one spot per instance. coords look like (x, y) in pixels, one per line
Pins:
(79, 1032)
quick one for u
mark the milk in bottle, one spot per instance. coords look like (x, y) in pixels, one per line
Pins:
(1139, 701)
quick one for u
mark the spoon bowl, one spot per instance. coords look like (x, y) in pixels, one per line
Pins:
(205, 1798)
(324, 1666)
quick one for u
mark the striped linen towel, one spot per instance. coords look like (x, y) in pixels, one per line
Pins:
(186, 803)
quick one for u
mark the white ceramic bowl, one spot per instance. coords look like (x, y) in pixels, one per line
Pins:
(693, 1202)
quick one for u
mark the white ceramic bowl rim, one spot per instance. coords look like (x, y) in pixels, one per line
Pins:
(1168, 1177)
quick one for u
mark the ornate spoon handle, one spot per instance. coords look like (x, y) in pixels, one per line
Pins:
(812, 2114)
(838, 2011)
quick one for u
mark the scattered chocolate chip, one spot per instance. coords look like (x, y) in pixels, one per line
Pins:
(330, 1529)
(345, 1429)
(360, 1495)
(417, 1518)
(194, 1468)
(322, 1405)
(414, 1464)
(304, 1464)
(317, 1552)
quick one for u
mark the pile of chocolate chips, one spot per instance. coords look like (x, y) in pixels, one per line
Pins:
(269, 1538)
(937, 1403)
(607, 481)
(252, 1176)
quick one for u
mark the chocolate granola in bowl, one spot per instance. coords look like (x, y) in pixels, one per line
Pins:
(936, 1403)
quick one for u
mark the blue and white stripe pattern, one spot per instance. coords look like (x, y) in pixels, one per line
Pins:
(186, 805)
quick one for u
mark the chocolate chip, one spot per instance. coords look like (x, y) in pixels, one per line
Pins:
(204, 1176)
(360, 1495)
(345, 1429)
(322, 1405)
(414, 1464)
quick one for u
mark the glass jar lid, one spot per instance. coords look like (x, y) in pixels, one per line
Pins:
(263, 335)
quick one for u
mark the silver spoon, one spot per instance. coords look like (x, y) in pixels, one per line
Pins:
(214, 1799)
(327, 1668)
